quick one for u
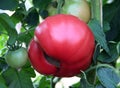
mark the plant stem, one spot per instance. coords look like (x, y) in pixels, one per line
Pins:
(3, 33)
(52, 83)
(97, 11)
(100, 65)
(60, 3)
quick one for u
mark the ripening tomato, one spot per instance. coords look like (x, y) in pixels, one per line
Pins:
(78, 8)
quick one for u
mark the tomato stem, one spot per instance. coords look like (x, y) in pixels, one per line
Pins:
(97, 11)
(100, 65)
(60, 3)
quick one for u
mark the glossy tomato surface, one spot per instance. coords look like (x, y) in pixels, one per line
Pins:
(63, 45)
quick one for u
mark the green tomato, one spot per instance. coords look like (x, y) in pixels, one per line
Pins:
(17, 58)
(78, 8)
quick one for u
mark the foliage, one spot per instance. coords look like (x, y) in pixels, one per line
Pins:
(104, 70)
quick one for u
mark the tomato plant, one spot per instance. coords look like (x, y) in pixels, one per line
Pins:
(52, 56)
(78, 8)
(62, 41)
(17, 58)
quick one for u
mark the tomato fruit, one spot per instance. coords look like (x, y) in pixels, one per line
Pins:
(17, 58)
(78, 8)
(62, 46)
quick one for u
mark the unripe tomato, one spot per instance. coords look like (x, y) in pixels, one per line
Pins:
(78, 8)
(63, 45)
(17, 58)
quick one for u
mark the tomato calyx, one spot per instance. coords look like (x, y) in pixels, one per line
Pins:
(54, 4)
(17, 45)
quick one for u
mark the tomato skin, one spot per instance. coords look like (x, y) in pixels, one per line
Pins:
(78, 8)
(17, 58)
(38, 60)
(67, 40)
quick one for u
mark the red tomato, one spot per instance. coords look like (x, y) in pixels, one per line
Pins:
(63, 46)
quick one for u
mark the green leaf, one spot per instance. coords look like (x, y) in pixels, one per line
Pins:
(118, 48)
(41, 4)
(18, 15)
(77, 85)
(44, 13)
(2, 30)
(96, 53)
(9, 26)
(99, 86)
(106, 26)
(99, 34)
(9, 4)
(84, 82)
(107, 77)
(17, 79)
(3, 64)
(104, 1)
(3, 41)
(104, 57)
(110, 10)
(32, 19)
(27, 68)
(2, 82)
(91, 75)
(45, 82)
(111, 15)
(26, 36)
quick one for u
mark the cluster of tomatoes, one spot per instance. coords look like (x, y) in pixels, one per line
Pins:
(63, 44)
